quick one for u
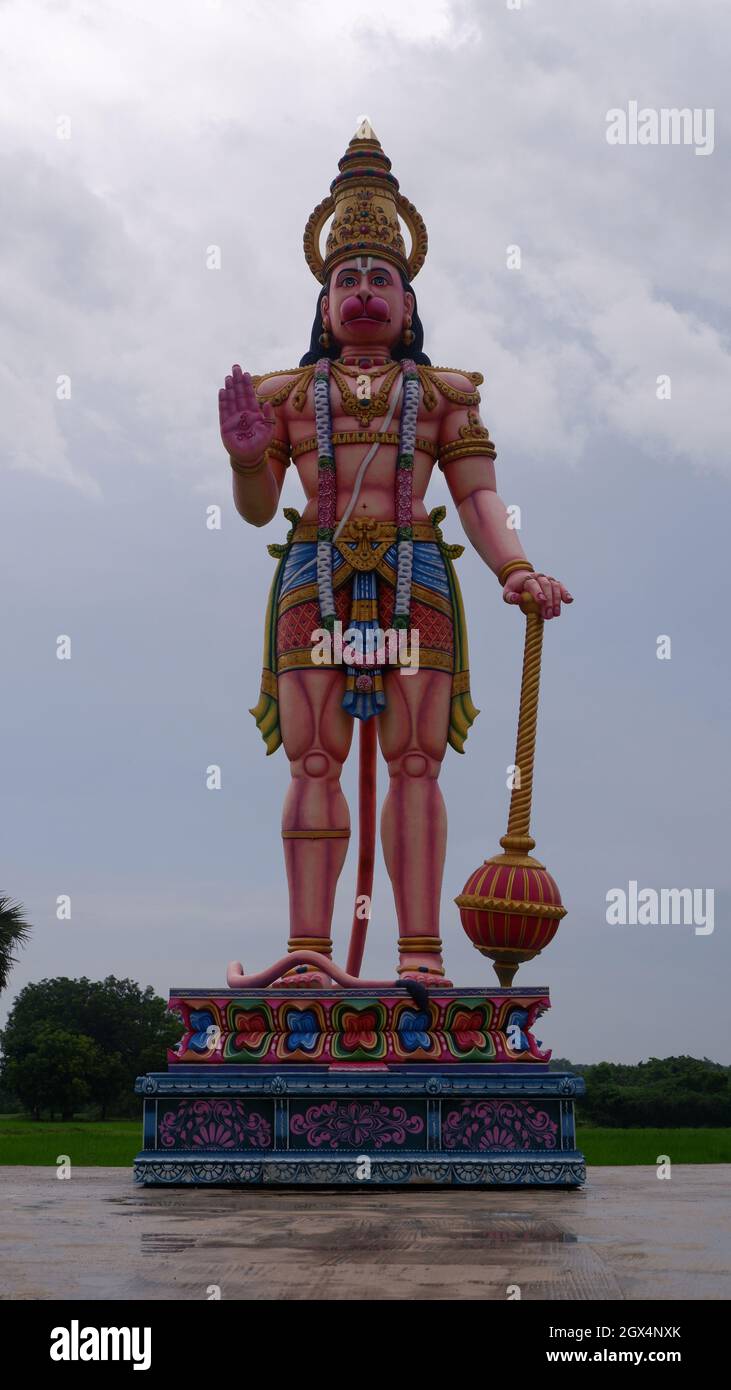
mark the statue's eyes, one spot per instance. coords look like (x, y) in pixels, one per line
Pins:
(347, 281)
(380, 280)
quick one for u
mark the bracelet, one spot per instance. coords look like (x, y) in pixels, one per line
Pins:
(510, 567)
(245, 470)
(463, 448)
(280, 449)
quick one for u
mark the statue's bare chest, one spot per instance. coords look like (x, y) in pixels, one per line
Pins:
(361, 407)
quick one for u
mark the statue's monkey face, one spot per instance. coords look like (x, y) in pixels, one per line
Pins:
(366, 302)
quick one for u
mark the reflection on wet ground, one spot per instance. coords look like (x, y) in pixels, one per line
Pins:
(626, 1235)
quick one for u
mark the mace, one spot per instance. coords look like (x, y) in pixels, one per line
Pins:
(511, 906)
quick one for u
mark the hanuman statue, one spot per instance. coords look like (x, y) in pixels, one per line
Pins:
(364, 419)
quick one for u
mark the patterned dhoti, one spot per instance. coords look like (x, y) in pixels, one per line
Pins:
(364, 580)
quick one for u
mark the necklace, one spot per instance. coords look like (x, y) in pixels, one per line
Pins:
(364, 365)
(327, 492)
(368, 409)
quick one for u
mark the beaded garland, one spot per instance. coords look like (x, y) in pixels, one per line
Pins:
(327, 493)
(404, 494)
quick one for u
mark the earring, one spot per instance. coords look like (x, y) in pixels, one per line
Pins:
(324, 337)
(407, 335)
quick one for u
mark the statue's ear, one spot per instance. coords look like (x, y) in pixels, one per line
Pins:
(324, 307)
(409, 302)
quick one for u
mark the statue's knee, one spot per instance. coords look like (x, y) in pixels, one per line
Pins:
(414, 765)
(316, 764)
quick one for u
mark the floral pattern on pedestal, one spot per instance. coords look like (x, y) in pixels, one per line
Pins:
(303, 1031)
(414, 1031)
(467, 1031)
(214, 1124)
(359, 1031)
(250, 1032)
(502, 1125)
(205, 1031)
(382, 1026)
(356, 1124)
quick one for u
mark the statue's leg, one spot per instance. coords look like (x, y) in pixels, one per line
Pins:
(413, 735)
(316, 733)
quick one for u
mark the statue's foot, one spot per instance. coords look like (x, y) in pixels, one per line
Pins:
(305, 977)
(427, 978)
(426, 969)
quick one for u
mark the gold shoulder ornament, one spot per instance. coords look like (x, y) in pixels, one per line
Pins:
(300, 377)
(430, 379)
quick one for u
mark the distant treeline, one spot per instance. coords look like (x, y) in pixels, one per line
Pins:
(664, 1091)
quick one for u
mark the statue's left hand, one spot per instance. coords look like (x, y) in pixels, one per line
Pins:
(550, 593)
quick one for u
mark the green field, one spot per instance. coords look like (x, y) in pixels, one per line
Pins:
(97, 1143)
(605, 1147)
(114, 1143)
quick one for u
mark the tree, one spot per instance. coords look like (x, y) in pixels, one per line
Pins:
(663, 1091)
(128, 1024)
(57, 1073)
(14, 931)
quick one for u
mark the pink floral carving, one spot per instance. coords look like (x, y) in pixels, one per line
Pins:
(339, 1124)
(491, 1124)
(214, 1124)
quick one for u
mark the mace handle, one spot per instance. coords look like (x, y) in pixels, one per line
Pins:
(518, 838)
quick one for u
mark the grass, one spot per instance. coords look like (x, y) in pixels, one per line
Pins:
(114, 1143)
(88, 1143)
(604, 1147)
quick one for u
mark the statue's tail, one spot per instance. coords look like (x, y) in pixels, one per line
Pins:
(366, 845)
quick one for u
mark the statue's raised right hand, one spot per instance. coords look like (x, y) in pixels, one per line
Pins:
(247, 426)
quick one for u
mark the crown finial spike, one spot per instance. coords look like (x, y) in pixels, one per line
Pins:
(364, 130)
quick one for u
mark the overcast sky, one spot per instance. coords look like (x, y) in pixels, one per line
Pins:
(195, 124)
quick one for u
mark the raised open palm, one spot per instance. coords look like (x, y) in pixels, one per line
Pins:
(247, 426)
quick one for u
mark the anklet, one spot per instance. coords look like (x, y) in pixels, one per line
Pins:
(323, 944)
(421, 945)
(316, 834)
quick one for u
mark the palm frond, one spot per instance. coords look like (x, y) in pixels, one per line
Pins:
(14, 932)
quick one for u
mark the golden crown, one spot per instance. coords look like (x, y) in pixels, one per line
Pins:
(366, 203)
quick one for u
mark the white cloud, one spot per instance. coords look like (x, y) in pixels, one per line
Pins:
(195, 124)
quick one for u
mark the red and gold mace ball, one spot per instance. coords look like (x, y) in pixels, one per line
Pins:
(511, 906)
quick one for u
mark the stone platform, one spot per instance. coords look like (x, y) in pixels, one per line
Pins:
(624, 1236)
(308, 1086)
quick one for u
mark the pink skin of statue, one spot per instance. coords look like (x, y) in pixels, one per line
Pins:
(365, 311)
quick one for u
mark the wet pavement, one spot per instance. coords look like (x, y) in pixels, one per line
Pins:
(626, 1235)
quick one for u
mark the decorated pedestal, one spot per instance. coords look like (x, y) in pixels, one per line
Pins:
(285, 1086)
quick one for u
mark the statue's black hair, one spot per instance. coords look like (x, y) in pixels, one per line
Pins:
(399, 350)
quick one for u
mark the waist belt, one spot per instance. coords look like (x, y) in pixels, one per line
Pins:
(366, 529)
(364, 542)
